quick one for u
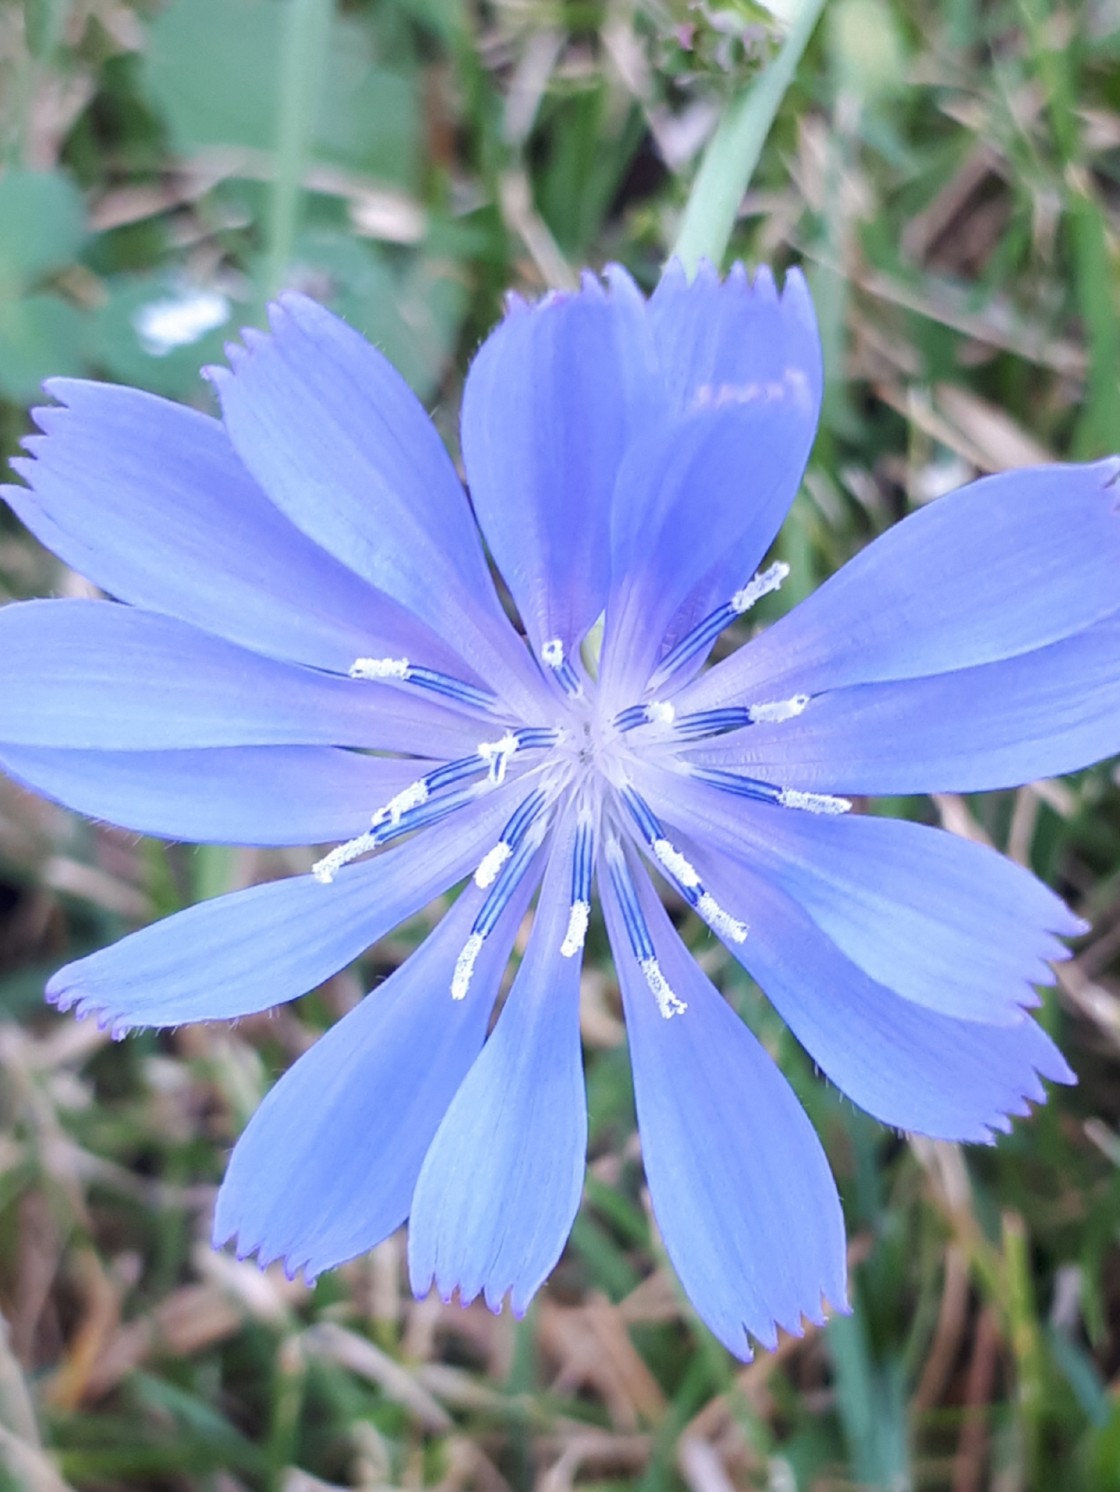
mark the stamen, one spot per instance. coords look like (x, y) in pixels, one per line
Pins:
(498, 897)
(721, 921)
(552, 656)
(763, 584)
(380, 668)
(464, 966)
(712, 722)
(583, 867)
(667, 1002)
(792, 797)
(385, 829)
(637, 931)
(409, 797)
(657, 712)
(777, 711)
(766, 792)
(682, 871)
(401, 671)
(706, 631)
(327, 868)
(492, 862)
(679, 868)
(497, 754)
(578, 918)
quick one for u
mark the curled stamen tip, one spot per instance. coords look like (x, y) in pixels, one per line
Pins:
(668, 1003)
(576, 935)
(774, 712)
(490, 865)
(552, 653)
(497, 755)
(792, 797)
(660, 712)
(464, 966)
(379, 668)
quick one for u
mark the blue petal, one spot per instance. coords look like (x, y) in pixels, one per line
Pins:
(994, 726)
(549, 405)
(716, 484)
(740, 1186)
(327, 1166)
(908, 1066)
(501, 1184)
(257, 948)
(95, 675)
(255, 795)
(149, 501)
(715, 342)
(714, 335)
(1008, 565)
(342, 446)
(942, 921)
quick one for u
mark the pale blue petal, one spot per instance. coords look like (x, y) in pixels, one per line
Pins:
(908, 1066)
(718, 482)
(253, 795)
(1005, 566)
(550, 404)
(327, 1166)
(148, 500)
(740, 1186)
(734, 340)
(253, 949)
(341, 445)
(501, 1184)
(96, 675)
(994, 726)
(943, 921)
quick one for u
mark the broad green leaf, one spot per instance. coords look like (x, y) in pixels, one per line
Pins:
(40, 337)
(212, 69)
(42, 227)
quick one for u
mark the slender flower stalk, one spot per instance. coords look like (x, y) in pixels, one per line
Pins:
(307, 647)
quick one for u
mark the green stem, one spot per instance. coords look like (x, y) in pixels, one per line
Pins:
(734, 149)
(302, 63)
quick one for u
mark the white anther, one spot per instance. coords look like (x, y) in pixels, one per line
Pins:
(576, 935)
(327, 868)
(464, 966)
(775, 711)
(410, 797)
(792, 797)
(667, 1002)
(491, 863)
(552, 653)
(660, 712)
(762, 584)
(380, 668)
(719, 920)
(497, 754)
(675, 863)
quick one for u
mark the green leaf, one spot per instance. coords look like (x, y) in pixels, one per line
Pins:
(40, 337)
(212, 69)
(42, 227)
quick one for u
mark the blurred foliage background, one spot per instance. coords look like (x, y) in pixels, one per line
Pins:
(948, 171)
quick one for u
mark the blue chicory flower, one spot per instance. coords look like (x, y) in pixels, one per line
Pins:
(311, 650)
